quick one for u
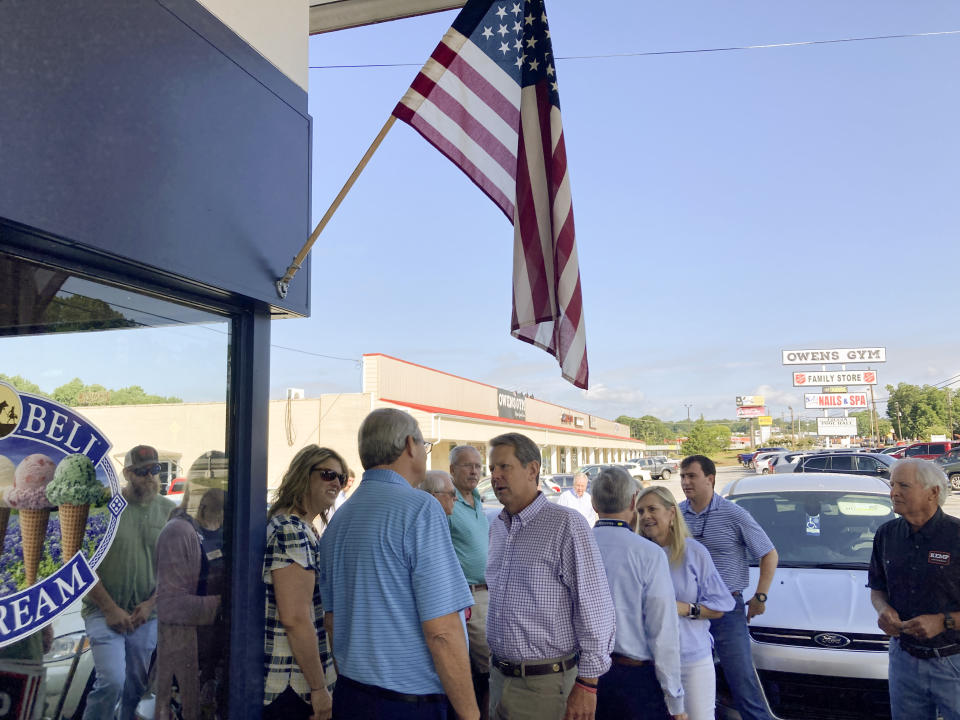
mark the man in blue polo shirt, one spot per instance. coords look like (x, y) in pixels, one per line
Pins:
(733, 538)
(393, 589)
(470, 532)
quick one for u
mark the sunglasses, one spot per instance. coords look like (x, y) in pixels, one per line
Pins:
(329, 475)
(146, 470)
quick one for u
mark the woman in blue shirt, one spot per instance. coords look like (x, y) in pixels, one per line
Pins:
(701, 595)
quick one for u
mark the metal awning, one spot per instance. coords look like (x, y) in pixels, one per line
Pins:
(329, 15)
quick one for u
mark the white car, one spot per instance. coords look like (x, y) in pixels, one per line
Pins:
(817, 647)
(69, 641)
(637, 473)
(764, 462)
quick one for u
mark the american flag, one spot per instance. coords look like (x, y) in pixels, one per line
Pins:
(487, 99)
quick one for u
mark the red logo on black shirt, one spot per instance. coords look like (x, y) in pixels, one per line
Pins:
(938, 557)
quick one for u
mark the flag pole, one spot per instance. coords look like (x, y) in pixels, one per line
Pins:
(283, 284)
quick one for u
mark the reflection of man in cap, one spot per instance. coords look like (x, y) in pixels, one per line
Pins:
(119, 611)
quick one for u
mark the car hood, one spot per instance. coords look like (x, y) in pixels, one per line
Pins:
(817, 599)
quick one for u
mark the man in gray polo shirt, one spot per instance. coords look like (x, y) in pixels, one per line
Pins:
(470, 531)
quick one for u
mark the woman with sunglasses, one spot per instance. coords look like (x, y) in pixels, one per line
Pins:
(701, 595)
(296, 651)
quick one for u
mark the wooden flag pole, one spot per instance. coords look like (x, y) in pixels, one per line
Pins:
(283, 284)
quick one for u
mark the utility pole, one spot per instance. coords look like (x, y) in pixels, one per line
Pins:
(899, 424)
(873, 414)
(688, 406)
(793, 438)
(949, 414)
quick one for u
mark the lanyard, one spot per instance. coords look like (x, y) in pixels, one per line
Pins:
(607, 522)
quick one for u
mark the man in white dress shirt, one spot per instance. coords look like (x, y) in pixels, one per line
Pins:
(577, 498)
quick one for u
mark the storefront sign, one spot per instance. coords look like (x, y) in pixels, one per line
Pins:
(749, 400)
(49, 454)
(839, 355)
(511, 405)
(846, 426)
(834, 388)
(813, 401)
(848, 377)
(765, 421)
(751, 412)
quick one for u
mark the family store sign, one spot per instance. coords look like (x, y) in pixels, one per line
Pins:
(52, 460)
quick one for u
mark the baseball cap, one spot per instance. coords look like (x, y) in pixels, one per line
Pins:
(140, 455)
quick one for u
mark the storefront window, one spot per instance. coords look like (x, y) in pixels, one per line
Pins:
(113, 465)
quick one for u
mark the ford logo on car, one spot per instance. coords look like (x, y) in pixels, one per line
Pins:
(831, 640)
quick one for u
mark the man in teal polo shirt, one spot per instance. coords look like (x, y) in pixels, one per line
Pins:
(470, 531)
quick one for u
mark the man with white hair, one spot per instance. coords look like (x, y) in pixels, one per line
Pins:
(439, 484)
(392, 588)
(914, 582)
(577, 498)
(470, 530)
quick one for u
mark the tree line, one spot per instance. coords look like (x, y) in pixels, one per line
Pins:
(77, 393)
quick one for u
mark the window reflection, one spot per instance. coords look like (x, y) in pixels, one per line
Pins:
(151, 375)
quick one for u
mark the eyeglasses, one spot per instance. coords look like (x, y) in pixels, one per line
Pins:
(329, 475)
(451, 493)
(428, 446)
(146, 470)
(470, 466)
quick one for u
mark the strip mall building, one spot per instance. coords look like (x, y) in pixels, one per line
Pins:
(451, 411)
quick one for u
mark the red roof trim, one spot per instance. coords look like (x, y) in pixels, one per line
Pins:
(494, 418)
(476, 382)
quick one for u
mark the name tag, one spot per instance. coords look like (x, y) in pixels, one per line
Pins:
(938, 557)
(216, 554)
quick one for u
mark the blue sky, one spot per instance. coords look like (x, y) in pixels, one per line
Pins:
(728, 205)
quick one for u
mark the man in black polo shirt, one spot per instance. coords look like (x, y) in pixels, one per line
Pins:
(914, 583)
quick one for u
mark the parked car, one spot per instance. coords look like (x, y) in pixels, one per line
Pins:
(69, 642)
(950, 464)
(638, 473)
(660, 467)
(765, 462)
(925, 450)
(176, 490)
(788, 461)
(875, 464)
(817, 648)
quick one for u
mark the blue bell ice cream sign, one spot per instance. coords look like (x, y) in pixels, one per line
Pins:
(60, 503)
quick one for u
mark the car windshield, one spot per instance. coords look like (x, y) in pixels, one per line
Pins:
(819, 529)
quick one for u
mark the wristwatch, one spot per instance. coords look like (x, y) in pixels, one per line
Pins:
(760, 597)
(948, 622)
(694, 611)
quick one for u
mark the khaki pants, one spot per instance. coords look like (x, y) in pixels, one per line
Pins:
(477, 633)
(538, 697)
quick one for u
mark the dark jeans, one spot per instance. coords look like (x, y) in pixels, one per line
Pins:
(353, 700)
(630, 693)
(732, 642)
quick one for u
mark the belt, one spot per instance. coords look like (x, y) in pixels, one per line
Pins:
(925, 653)
(478, 586)
(524, 668)
(629, 661)
(390, 694)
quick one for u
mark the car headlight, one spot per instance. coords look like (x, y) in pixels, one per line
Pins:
(66, 646)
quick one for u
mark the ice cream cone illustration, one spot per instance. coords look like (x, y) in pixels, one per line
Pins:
(33, 532)
(29, 496)
(74, 489)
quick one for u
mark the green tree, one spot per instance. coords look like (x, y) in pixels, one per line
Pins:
(22, 384)
(922, 411)
(704, 439)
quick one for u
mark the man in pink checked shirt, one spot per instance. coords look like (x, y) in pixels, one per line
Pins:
(550, 624)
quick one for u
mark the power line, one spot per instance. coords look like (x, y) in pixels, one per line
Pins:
(650, 53)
